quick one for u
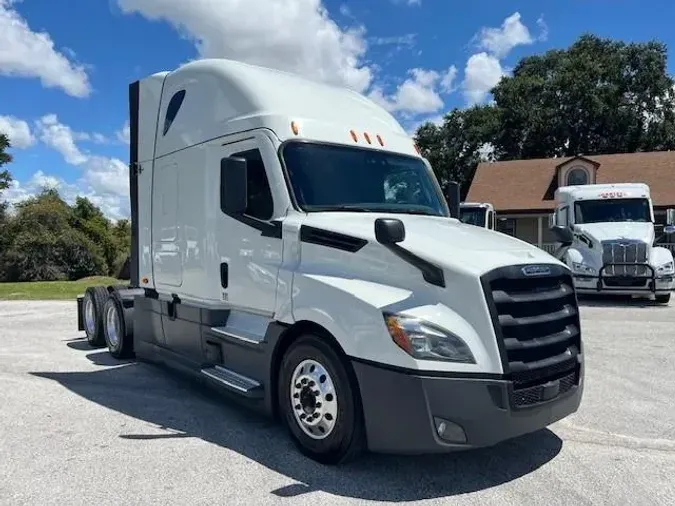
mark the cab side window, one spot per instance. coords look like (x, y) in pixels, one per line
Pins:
(260, 203)
(563, 217)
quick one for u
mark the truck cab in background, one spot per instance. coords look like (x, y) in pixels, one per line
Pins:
(481, 214)
(607, 237)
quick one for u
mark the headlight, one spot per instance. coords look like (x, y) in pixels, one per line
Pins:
(421, 340)
(668, 268)
(582, 268)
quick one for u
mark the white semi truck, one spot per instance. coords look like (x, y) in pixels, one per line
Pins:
(480, 214)
(607, 237)
(328, 283)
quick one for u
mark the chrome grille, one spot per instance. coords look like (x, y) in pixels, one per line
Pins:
(625, 251)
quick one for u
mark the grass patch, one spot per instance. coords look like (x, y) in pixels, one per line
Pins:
(52, 290)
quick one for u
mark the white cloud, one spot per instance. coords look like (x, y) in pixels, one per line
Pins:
(105, 181)
(123, 135)
(482, 73)
(419, 94)
(25, 53)
(61, 138)
(543, 35)
(17, 131)
(292, 35)
(111, 204)
(500, 41)
(484, 69)
(437, 120)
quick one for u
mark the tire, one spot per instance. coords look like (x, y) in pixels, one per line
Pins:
(338, 432)
(117, 331)
(92, 313)
(663, 299)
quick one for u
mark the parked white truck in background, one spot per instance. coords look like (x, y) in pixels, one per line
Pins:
(607, 238)
(291, 247)
(481, 214)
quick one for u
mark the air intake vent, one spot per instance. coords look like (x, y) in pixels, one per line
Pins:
(536, 321)
(331, 239)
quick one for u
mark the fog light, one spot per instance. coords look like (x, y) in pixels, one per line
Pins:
(449, 431)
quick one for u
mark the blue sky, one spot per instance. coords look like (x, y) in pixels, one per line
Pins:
(65, 65)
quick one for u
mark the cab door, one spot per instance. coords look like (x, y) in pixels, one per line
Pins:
(250, 246)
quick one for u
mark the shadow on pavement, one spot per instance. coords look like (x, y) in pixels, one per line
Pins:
(186, 409)
(78, 344)
(618, 301)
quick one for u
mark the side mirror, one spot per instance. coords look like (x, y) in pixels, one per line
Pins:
(563, 234)
(452, 197)
(670, 216)
(389, 230)
(233, 189)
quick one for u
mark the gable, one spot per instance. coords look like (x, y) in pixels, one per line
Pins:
(529, 185)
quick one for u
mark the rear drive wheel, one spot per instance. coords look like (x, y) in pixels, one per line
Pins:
(663, 299)
(118, 335)
(92, 309)
(318, 402)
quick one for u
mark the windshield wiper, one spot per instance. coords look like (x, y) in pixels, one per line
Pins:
(356, 209)
(362, 209)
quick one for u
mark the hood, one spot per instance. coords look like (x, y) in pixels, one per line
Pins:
(445, 242)
(608, 231)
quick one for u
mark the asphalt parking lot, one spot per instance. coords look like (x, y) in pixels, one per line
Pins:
(78, 427)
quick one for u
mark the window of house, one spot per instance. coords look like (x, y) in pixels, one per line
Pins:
(260, 203)
(507, 226)
(577, 176)
(172, 109)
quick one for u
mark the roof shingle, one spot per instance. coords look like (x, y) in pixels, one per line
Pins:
(529, 185)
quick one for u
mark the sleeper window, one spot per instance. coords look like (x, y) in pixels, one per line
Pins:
(260, 203)
(172, 110)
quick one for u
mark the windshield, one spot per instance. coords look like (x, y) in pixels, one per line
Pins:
(597, 211)
(472, 215)
(339, 178)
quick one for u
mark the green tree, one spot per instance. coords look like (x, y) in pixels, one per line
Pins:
(91, 221)
(598, 96)
(44, 246)
(5, 181)
(455, 148)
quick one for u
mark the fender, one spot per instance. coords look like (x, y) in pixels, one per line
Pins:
(360, 329)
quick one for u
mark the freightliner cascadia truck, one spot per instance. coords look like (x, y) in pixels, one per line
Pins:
(291, 248)
(607, 237)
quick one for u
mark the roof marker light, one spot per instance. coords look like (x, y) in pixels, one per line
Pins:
(365, 134)
(356, 139)
(379, 139)
(294, 127)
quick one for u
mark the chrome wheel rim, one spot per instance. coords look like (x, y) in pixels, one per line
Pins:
(112, 326)
(89, 319)
(313, 399)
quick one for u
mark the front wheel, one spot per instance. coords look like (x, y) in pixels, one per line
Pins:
(318, 402)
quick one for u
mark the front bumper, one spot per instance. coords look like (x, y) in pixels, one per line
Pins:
(403, 410)
(624, 285)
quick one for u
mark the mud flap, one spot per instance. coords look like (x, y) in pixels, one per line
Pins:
(80, 316)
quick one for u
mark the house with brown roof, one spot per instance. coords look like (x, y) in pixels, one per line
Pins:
(522, 191)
